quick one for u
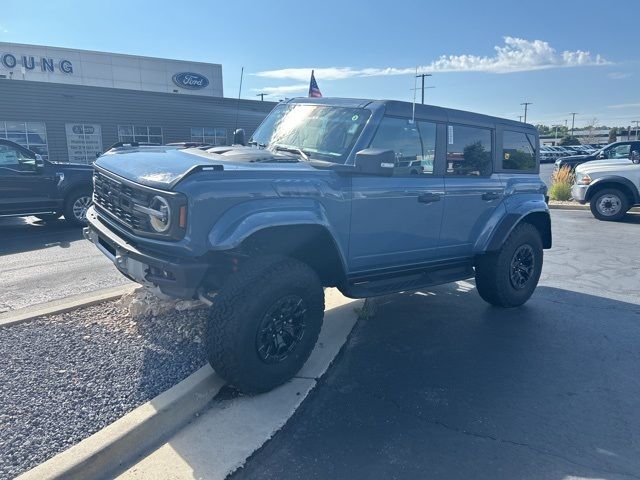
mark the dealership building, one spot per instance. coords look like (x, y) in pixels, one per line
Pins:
(69, 105)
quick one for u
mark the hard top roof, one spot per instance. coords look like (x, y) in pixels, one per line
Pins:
(405, 109)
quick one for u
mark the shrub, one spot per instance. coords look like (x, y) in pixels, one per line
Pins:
(561, 181)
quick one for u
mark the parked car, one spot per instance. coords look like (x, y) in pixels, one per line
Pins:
(30, 185)
(612, 151)
(354, 194)
(611, 187)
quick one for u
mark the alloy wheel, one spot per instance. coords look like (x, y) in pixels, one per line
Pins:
(522, 266)
(281, 329)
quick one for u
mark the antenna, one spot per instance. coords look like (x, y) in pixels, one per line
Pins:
(415, 88)
(239, 93)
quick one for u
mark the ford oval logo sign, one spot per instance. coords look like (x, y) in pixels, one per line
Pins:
(190, 80)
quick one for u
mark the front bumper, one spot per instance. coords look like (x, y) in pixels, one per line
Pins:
(176, 277)
(579, 193)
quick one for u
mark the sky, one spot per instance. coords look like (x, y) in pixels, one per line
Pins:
(484, 56)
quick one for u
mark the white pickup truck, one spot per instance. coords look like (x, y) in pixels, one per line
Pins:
(611, 187)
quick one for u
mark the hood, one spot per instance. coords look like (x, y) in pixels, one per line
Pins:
(607, 166)
(577, 157)
(71, 166)
(162, 167)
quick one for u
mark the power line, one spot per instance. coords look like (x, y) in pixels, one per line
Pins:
(421, 76)
(573, 121)
(526, 104)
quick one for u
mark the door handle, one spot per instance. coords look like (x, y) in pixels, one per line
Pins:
(490, 195)
(428, 198)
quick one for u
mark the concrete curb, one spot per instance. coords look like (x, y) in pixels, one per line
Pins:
(118, 444)
(577, 206)
(123, 442)
(568, 207)
(64, 305)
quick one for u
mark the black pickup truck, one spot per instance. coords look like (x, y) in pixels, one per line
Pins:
(30, 185)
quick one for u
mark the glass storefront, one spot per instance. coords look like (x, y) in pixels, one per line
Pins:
(137, 133)
(32, 135)
(209, 136)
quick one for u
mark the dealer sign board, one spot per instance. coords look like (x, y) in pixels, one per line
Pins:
(190, 80)
(84, 142)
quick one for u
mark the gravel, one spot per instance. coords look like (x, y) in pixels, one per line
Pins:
(66, 376)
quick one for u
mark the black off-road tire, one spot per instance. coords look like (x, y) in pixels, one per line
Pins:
(52, 217)
(493, 270)
(70, 210)
(239, 312)
(615, 195)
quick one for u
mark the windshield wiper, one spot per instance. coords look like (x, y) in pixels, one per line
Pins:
(299, 151)
(254, 142)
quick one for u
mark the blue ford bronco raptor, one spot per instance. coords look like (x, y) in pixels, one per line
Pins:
(371, 197)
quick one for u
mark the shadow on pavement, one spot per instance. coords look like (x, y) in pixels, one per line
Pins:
(439, 384)
(23, 234)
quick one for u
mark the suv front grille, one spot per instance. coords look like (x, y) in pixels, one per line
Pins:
(118, 199)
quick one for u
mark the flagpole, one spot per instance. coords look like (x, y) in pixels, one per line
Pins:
(238, 106)
(415, 88)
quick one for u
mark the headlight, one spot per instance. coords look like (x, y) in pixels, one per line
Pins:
(583, 179)
(159, 213)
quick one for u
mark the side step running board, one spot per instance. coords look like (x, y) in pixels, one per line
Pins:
(363, 288)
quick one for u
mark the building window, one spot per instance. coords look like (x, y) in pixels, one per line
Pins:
(32, 135)
(469, 151)
(517, 152)
(137, 133)
(209, 136)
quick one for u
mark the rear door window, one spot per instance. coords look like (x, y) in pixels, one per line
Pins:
(469, 151)
(517, 152)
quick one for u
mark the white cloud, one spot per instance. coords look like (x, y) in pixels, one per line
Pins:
(619, 75)
(516, 55)
(3, 30)
(625, 105)
(282, 90)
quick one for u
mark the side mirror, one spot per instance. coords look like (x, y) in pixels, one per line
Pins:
(635, 157)
(602, 155)
(39, 162)
(238, 137)
(375, 161)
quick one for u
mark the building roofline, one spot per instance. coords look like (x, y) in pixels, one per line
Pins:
(127, 55)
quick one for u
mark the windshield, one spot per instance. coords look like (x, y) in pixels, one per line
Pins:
(318, 131)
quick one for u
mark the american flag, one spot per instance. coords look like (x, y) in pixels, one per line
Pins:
(314, 90)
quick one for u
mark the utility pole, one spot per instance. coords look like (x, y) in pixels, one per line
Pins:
(261, 95)
(421, 76)
(519, 118)
(573, 121)
(526, 104)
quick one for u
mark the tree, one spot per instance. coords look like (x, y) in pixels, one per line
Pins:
(569, 140)
(613, 135)
(591, 137)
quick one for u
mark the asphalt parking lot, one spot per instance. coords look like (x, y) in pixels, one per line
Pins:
(439, 384)
(48, 261)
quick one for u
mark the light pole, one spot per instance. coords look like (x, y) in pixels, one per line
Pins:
(526, 104)
(519, 118)
(421, 76)
(573, 121)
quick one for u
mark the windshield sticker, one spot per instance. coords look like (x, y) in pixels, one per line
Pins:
(354, 118)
